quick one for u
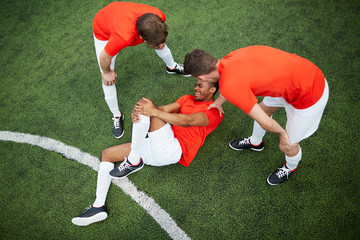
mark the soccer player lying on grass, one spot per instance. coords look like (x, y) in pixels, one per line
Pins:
(286, 80)
(120, 25)
(175, 133)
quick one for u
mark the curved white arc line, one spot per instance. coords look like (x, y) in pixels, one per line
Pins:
(152, 208)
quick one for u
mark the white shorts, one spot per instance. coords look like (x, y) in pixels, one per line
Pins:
(301, 123)
(99, 46)
(161, 147)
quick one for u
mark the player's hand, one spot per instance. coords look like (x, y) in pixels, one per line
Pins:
(219, 107)
(109, 78)
(285, 144)
(145, 107)
(135, 116)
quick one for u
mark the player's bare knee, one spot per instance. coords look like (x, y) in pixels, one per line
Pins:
(268, 110)
(104, 155)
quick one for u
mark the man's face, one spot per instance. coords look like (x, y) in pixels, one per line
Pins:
(203, 91)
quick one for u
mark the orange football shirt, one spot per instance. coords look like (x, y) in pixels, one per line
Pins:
(192, 138)
(265, 71)
(116, 23)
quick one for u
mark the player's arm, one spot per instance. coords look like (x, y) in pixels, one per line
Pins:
(148, 108)
(270, 125)
(170, 108)
(105, 61)
(184, 120)
(265, 121)
(108, 75)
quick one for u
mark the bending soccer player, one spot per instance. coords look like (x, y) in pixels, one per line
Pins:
(123, 24)
(175, 133)
(286, 80)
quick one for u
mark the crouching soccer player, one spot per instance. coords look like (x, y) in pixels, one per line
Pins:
(120, 25)
(175, 133)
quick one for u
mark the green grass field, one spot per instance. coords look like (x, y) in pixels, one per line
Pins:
(50, 86)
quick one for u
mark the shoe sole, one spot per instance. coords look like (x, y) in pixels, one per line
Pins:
(127, 174)
(179, 74)
(254, 149)
(87, 221)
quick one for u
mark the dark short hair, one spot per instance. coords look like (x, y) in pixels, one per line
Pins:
(215, 85)
(199, 62)
(152, 29)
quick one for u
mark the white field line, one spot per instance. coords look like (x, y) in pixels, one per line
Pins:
(161, 216)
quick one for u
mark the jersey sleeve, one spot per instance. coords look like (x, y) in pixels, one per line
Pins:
(214, 118)
(242, 98)
(115, 45)
(162, 16)
(182, 99)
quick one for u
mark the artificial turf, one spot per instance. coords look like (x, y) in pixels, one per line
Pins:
(50, 86)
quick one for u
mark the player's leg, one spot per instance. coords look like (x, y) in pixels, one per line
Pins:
(255, 142)
(134, 162)
(97, 211)
(300, 125)
(139, 132)
(162, 147)
(112, 102)
(258, 132)
(110, 93)
(156, 124)
(171, 66)
(292, 158)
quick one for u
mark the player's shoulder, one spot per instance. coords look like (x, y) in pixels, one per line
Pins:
(214, 113)
(187, 97)
(183, 99)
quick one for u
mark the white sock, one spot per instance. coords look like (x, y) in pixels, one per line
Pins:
(139, 131)
(166, 56)
(103, 183)
(111, 99)
(257, 134)
(292, 162)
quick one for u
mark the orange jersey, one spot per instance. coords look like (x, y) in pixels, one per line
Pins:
(265, 71)
(192, 138)
(116, 23)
